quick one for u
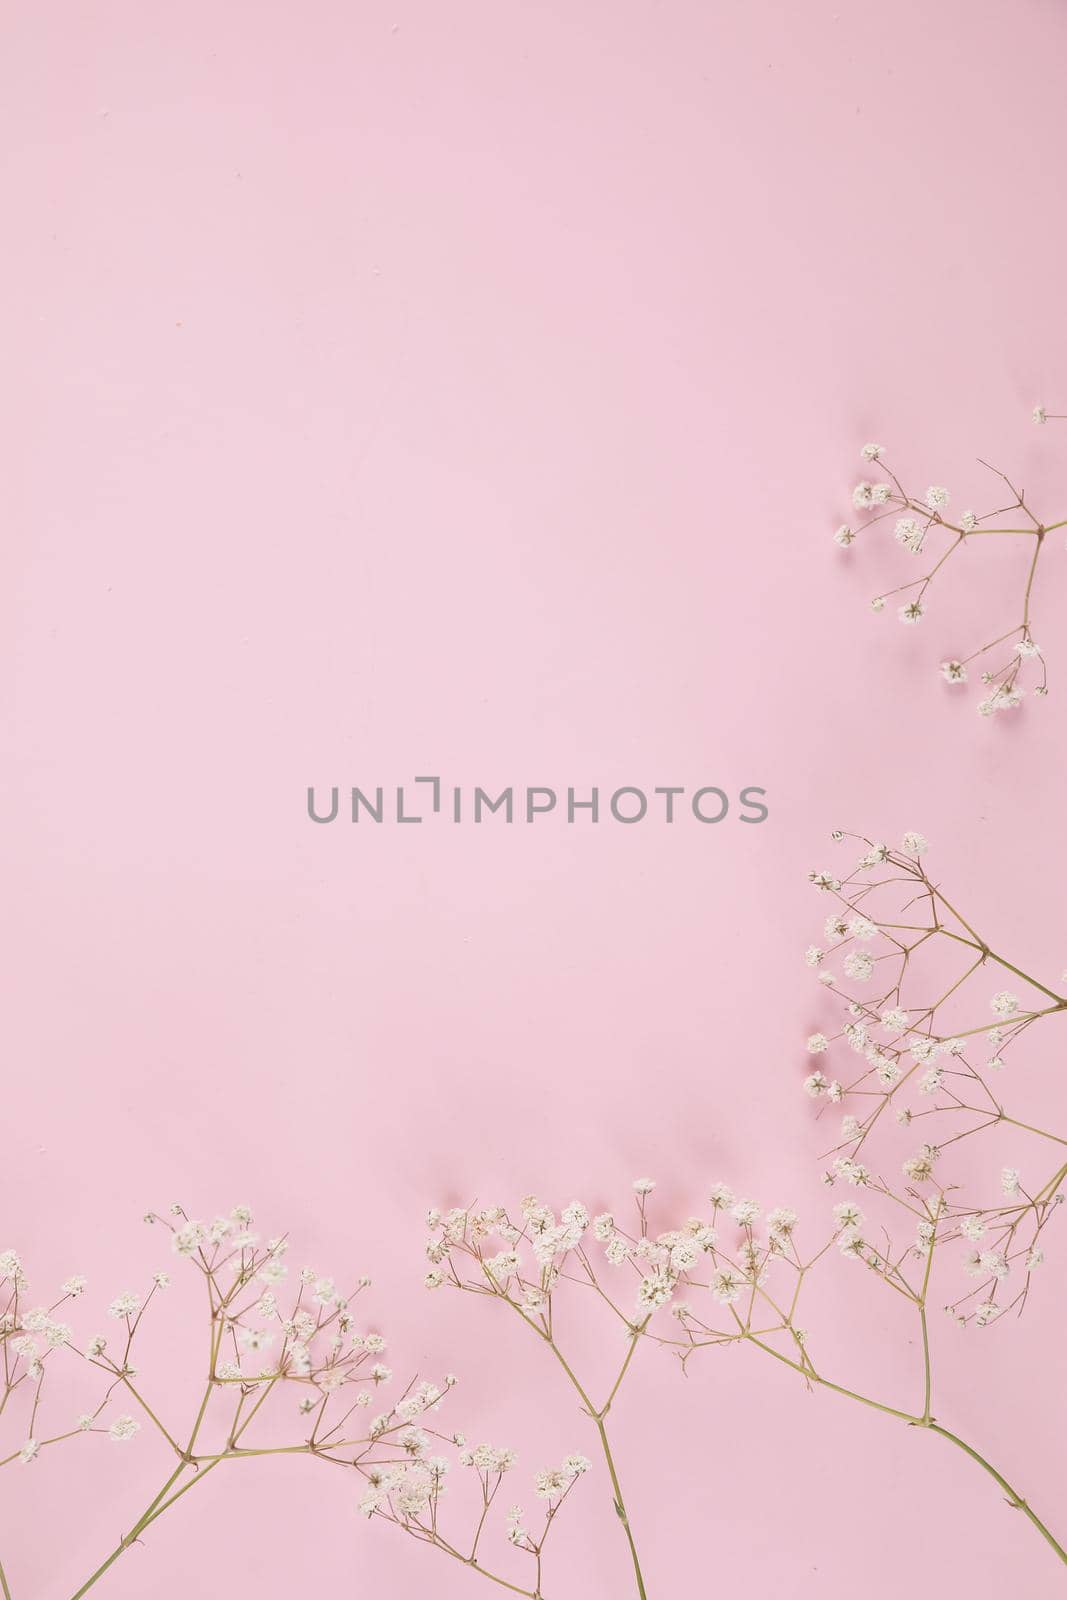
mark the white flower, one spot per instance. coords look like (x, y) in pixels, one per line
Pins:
(815, 1085)
(968, 521)
(920, 1167)
(643, 1186)
(972, 1264)
(954, 671)
(859, 965)
(188, 1238)
(909, 534)
(124, 1305)
(75, 1286)
(29, 1450)
(1039, 415)
(912, 612)
(878, 603)
(937, 499)
(872, 452)
(1004, 1003)
(655, 1290)
(824, 880)
(726, 1285)
(1009, 1181)
(744, 1213)
(844, 536)
(781, 1222)
(817, 1043)
(851, 1242)
(913, 844)
(123, 1428)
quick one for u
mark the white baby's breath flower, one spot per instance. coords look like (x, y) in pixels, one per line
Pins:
(124, 1305)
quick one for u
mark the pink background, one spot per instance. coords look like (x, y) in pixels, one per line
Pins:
(472, 388)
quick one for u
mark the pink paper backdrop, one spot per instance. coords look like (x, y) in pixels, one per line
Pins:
(472, 388)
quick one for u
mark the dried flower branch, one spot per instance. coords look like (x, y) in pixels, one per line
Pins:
(751, 1287)
(936, 1062)
(263, 1357)
(521, 1265)
(925, 529)
(749, 1284)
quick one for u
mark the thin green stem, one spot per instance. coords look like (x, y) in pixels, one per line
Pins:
(1014, 1498)
(129, 1538)
(620, 1506)
(598, 1418)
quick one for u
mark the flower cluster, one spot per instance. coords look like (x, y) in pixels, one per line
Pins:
(732, 1275)
(931, 534)
(408, 1493)
(928, 1016)
(285, 1342)
(32, 1338)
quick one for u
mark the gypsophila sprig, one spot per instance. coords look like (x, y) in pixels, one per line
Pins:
(526, 1262)
(736, 1277)
(408, 1493)
(731, 1275)
(931, 535)
(926, 1028)
(33, 1337)
(290, 1353)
